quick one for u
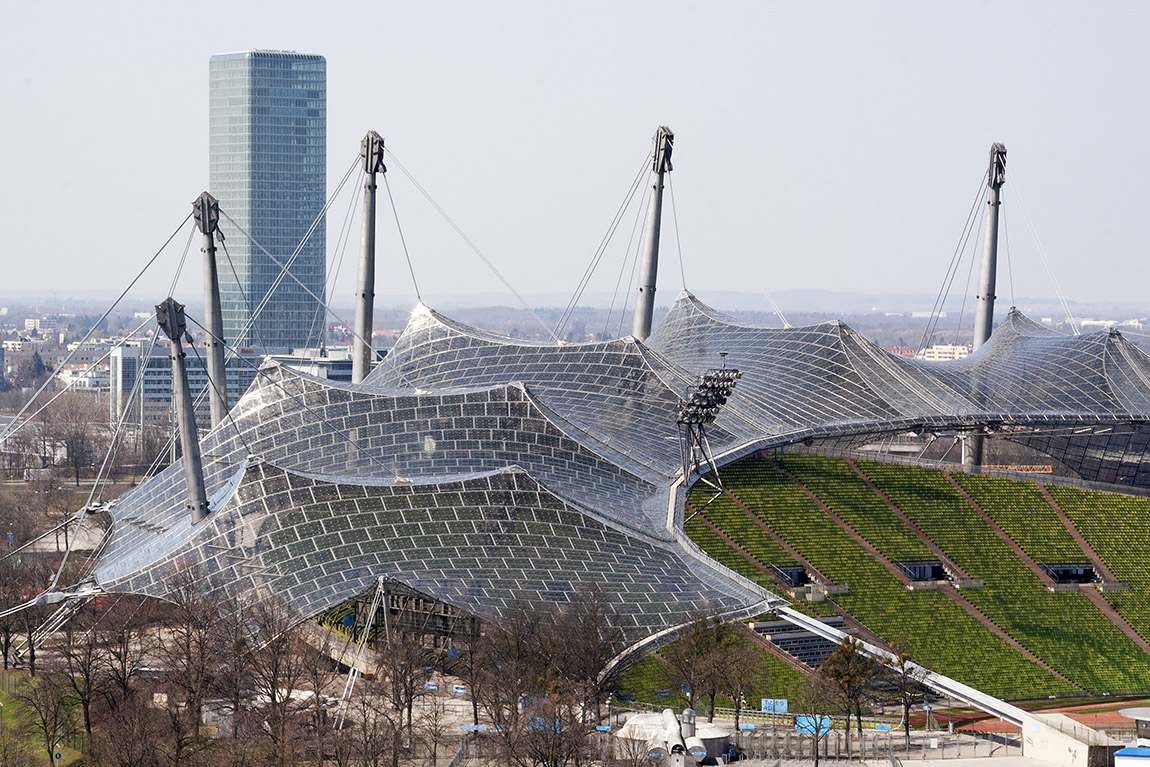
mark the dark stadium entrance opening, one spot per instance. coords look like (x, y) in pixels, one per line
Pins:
(437, 625)
(930, 570)
(792, 576)
(1074, 573)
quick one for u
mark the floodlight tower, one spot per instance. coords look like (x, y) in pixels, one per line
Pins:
(699, 409)
(371, 152)
(206, 210)
(170, 316)
(984, 309)
(645, 303)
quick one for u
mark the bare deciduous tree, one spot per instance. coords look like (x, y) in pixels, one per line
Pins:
(903, 680)
(130, 735)
(435, 726)
(45, 715)
(190, 646)
(11, 752)
(82, 661)
(508, 661)
(123, 634)
(403, 664)
(851, 673)
(743, 671)
(815, 700)
(698, 661)
(581, 642)
(376, 736)
(233, 660)
(278, 667)
(77, 428)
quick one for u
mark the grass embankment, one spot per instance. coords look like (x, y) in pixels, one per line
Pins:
(11, 716)
(647, 678)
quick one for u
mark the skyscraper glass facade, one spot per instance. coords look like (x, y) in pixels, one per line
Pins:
(268, 160)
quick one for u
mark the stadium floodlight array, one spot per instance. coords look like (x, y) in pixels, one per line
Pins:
(701, 408)
(709, 396)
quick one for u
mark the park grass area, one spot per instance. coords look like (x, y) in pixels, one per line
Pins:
(646, 679)
(10, 722)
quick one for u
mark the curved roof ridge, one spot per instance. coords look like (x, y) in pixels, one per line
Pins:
(726, 319)
(895, 366)
(1019, 323)
(481, 334)
(1124, 358)
(386, 391)
(579, 434)
(469, 330)
(418, 480)
(1017, 327)
(664, 368)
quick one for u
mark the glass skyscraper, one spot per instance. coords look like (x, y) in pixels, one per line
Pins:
(268, 165)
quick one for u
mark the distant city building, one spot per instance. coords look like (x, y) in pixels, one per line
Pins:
(901, 351)
(125, 365)
(329, 364)
(1087, 322)
(83, 377)
(268, 164)
(91, 352)
(943, 352)
(21, 345)
(44, 325)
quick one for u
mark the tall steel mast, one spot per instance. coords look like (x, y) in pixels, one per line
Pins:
(987, 276)
(206, 210)
(371, 151)
(648, 271)
(170, 316)
(984, 309)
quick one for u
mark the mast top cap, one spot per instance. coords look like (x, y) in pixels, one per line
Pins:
(664, 144)
(996, 174)
(170, 316)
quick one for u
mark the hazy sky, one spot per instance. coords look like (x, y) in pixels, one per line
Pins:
(843, 142)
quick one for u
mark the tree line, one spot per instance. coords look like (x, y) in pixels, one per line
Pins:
(199, 680)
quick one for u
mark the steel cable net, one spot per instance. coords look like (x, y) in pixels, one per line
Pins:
(484, 471)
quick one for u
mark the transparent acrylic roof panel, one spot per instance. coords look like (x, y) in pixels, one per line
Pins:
(827, 375)
(611, 391)
(480, 469)
(483, 543)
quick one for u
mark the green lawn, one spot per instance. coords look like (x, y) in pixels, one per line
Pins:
(10, 723)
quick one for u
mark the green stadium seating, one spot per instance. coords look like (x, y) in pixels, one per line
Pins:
(1020, 509)
(1063, 628)
(1117, 527)
(927, 623)
(848, 495)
